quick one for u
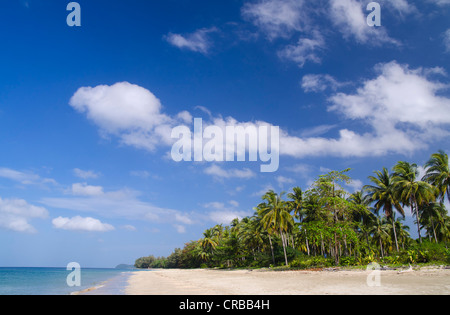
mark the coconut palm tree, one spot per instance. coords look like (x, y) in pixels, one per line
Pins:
(296, 203)
(438, 174)
(382, 193)
(275, 217)
(208, 243)
(380, 232)
(402, 231)
(435, 219)
(362, 219)
(411, 191)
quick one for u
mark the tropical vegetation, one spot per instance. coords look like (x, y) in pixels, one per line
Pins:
(326, 225)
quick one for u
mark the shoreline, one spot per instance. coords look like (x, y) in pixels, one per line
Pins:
(112, 286)
(425, 281)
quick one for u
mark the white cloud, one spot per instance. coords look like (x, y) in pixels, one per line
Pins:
(403, 7)
(142, 174)
(395, 89)
(85, 174)
(356, 185)
(440, 2)
(282, 181)
(119, 107)
(197, 41)
(263, 191)
(129, 227)
(86, 190)
(21, 177)
(305, 50)
(219, 172)
(234, 203)
(123, 204)
(446, 37)
(348, 16)
(81, 224)
(277, 18)
(181, 229)
(127, 111)
(303, 169)
(221, 214)
(380, 103)
(25, 178)
(316, 131)
(320, 83)
(15, 214)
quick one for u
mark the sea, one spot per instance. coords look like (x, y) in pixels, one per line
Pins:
(53, 281)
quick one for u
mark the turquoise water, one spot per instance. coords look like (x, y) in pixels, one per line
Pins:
(52, 281)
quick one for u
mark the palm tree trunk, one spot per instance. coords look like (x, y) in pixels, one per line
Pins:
(434, 230)
(307, 243)
(417, 217)
(321, 243)
(271, 249)
(381, 247)
(283, 241)
(395, 234)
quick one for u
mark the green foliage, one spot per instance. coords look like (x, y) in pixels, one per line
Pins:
(312, 262)
(326, 226)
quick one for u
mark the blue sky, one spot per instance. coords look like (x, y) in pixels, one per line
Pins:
(86, 112)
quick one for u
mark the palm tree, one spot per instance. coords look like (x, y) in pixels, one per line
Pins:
(208, 244)
(438, 174)
(434, 217)
(297, 202)
(362, 219)
(410, 190)
(402, 231)
(382, 193)
(429, 215)
(380, 232)
(276, 217)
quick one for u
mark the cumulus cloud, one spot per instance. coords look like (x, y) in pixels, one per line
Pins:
(378, 104)
(81, 224)
(16, 213)
(198, 41)
(128, 111)
(399, 106)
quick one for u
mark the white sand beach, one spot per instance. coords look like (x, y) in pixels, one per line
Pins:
(427, 281)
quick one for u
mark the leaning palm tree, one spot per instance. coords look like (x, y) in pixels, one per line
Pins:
(382, 193)
(411, 191)
(276, 217)
(438, 174)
